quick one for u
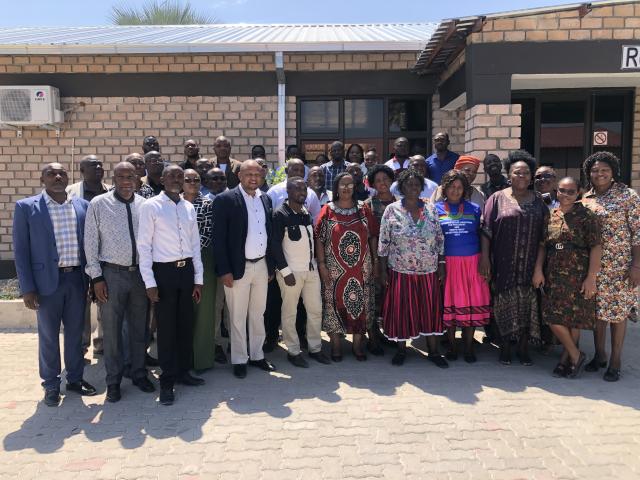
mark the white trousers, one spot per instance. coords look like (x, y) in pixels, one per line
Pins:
(307, 285)
(247, 301)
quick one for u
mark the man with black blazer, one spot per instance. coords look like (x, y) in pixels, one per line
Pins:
(242, 222)
(48, 236)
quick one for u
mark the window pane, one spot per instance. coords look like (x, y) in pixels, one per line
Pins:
(319, 116)
(314, 148)
(608, 118)
(363, 118)
(407, 115)
(562, 136)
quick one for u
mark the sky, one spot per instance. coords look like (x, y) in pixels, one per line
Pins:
(96, 12)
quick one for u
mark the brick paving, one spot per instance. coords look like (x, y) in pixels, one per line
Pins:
(348, 420)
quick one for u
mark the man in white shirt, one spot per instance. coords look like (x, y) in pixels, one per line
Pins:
(417, 162)
(242, 219)
(278, 193)
(292, 245)
(171, 267)
(400, 160)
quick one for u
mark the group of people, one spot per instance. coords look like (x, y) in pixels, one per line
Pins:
(386, 253)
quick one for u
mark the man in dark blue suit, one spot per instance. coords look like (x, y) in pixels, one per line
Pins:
(48, 234)
(242, 225)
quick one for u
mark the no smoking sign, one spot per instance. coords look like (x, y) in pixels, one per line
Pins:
(601, 138)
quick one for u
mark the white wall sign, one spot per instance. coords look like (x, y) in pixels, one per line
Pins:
(630, 57)
(600, 138)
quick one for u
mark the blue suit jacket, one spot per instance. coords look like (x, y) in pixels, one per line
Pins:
(34, 244)
(230, 224)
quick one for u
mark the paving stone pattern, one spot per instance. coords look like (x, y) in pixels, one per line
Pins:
(342, 421)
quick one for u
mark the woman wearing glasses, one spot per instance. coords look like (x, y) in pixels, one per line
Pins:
(203, 326)
(566, 268)
(346, 248)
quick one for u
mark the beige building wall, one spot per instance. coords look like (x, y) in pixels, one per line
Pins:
(112, 127)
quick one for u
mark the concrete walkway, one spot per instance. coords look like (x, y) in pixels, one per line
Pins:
(348, 420)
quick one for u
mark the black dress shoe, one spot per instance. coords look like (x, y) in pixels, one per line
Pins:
(220, 357)
(320, 357)
(398, 358)
(375, 349)
(82, 387)
(188, 379)
(52, 397)
(439, 361)
(149, 361)
(612, 375)
(298, 361)
(240, 370)
(269, 345)
(594, 365)
(166, 396)
(144, 384)
(470, 358)
(113, 393)
(263, 364)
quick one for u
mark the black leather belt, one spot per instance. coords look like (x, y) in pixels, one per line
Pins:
(254, 260)
(69, 269)
(122, 268)
(178, 263)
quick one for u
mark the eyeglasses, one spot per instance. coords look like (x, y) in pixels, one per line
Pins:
(191, 180)
(567, 191)
(544, 176)
(218, 179)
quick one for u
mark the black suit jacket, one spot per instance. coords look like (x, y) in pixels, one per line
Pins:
(230, 232)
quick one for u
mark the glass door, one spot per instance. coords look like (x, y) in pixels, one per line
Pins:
(563, 127)
(562, 131)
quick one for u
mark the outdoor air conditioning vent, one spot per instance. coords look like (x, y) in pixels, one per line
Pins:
(30, 105)
(15, 105)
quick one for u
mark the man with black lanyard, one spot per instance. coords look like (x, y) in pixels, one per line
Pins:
(292, 248)
(110, 234)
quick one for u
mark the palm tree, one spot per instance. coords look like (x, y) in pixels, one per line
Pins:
(158, 12)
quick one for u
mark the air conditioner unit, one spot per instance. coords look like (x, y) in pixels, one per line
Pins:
(30, 105)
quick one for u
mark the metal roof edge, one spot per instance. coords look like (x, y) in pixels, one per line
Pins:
(208, 48)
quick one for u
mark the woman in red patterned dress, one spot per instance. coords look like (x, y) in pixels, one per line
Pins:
(346, 246)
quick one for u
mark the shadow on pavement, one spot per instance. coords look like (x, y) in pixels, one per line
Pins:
(139, 415)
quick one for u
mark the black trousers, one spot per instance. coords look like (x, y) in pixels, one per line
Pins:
(175, 320)
(273, 314)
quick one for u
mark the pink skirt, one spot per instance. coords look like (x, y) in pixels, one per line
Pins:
(412, 306)
(467, 301)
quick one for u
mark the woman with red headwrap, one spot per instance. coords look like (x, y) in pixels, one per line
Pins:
(467, 165)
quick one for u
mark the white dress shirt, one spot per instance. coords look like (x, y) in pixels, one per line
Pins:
(167, 232)
(395, 165)
(429, 188)
(278, 194)
(255, 245)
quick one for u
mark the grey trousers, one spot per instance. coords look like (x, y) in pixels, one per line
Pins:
(90, 327)
(127, 297)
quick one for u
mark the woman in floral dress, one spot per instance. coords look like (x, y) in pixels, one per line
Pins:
(567, 265)
(618, 208)
(346, 247)
(411, 251)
